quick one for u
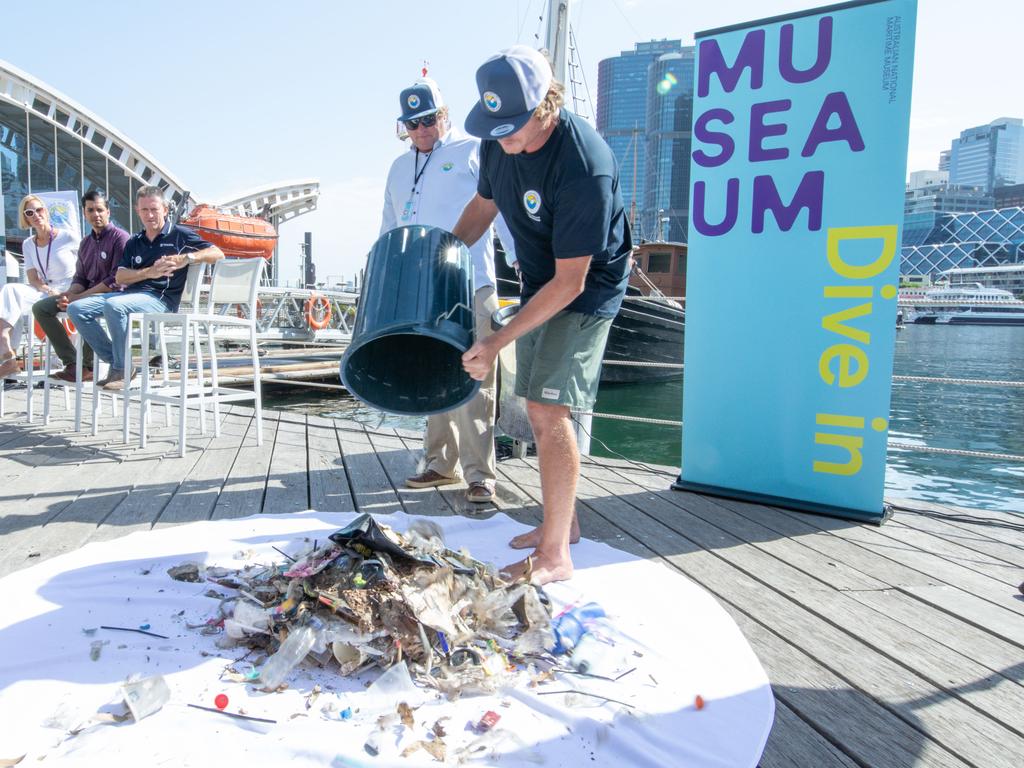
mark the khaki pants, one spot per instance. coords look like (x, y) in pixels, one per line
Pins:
(465, 436)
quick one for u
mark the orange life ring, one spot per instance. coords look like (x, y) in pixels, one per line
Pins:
(38, 329)
(318, 312)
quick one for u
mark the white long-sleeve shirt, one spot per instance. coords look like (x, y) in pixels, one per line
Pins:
(447, 181)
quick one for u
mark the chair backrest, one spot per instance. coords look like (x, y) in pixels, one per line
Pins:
(236, 281)
(193, 285)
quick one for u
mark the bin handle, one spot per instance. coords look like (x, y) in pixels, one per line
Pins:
(447, 315)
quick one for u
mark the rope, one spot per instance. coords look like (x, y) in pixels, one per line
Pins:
(638, 364)
(958, 452)
(637, 419)
(969, 382)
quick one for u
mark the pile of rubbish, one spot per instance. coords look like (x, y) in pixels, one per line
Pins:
(370, 596)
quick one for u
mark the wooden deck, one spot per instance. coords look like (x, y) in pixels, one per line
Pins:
(892, 646)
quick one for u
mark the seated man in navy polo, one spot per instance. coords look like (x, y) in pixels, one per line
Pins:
(153, 268)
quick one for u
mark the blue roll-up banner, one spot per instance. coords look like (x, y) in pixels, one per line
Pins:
(798, 171)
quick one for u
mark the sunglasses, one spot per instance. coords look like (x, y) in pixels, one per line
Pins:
(30, 212)
(427, 121)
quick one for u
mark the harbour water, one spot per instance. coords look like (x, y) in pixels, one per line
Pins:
(953, 416)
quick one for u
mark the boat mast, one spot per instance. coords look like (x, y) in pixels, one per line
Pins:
(556, 39)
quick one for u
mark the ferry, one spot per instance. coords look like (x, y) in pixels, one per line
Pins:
(967, 304)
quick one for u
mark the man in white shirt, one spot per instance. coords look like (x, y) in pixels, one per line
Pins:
(430, 184)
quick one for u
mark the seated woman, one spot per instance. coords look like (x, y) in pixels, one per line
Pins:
(49, 263)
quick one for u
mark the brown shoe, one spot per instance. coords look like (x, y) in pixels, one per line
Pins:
(115, 381)
(68, 374)
(429, 479)
(480, 492)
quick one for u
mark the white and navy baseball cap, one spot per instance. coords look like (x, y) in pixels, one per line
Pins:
(512, 84)
(422, 98)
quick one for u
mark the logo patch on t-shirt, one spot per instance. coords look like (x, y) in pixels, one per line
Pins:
(413, 101)
(103, 255)
(447, 167)
(531, 202)
(550, 394)
(491, 101)
(138, 259)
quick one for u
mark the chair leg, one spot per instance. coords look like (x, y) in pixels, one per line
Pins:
(30, 355)
(214, 380)
(257, 386)
(144, 387)
(78, 382)
(46, 382)
(165, 373)
(200, 377)
(183, 383)
(125, 411)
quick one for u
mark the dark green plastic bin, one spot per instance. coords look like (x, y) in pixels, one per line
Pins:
(413, 323)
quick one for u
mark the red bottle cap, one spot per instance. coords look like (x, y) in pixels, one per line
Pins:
(221, 701)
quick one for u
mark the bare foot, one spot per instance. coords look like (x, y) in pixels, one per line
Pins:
(538, 570)
(531, 539)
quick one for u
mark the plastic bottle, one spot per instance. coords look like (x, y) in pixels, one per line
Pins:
(597, 652)
(572, 625)
(292, 651)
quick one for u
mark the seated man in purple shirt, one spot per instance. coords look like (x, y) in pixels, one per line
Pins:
(98, 257)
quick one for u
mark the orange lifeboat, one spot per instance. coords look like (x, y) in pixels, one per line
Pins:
(240, 237)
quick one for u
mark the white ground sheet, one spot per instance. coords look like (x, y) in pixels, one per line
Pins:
(681, 643)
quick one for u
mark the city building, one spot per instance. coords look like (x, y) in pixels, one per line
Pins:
(48, 143)
(623, 85)
(992, 238)
(989, 156)
(1011, 196)
(925, 204)
(666, 200)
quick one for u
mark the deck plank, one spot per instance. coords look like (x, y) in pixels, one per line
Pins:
(328, 485)
(370, 486)
(288, 478)
(246, 483)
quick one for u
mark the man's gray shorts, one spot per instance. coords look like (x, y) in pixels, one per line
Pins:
(559, 362)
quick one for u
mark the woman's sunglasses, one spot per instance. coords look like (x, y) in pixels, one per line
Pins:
(427, 121)
(30, 212)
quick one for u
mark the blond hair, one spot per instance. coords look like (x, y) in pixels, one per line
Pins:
(553, 101)
(22, 221)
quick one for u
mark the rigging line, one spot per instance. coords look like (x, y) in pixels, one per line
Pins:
(636, 32)
(522, 24)
(640, 464)
(583, 70)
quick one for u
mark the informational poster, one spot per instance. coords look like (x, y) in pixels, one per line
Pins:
(798, 171)
(64, 211)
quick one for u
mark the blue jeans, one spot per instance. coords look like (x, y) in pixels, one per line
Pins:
(114, 308)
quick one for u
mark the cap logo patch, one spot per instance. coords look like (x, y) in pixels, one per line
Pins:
(413, 101)
(531, 202)
(491, 101)
(502, 130)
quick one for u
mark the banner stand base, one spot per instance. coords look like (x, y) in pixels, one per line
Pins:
(798, 505)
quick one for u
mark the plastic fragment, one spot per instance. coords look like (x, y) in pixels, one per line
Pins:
(699, 702)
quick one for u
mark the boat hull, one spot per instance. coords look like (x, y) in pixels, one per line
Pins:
(239, 237)
(645, 331)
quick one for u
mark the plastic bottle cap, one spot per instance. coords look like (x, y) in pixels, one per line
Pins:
(221, 701)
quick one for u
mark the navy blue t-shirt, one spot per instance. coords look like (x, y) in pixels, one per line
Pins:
(560, 202)
(140, 253)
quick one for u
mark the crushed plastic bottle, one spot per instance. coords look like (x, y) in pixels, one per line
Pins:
(292, 651)
(573, 624)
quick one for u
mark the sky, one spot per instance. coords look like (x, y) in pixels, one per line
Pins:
(229, 96)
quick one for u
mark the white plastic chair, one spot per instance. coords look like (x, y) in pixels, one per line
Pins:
(190, 304)
(32, 348)
(234, 282)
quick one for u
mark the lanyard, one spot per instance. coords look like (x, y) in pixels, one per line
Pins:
(49, 245)
(417, 171)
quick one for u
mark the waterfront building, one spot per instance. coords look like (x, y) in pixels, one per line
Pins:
(989, 156)
(664, 264)
(928, 197)
(992, 238)
(636, 119)
(49, 143)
